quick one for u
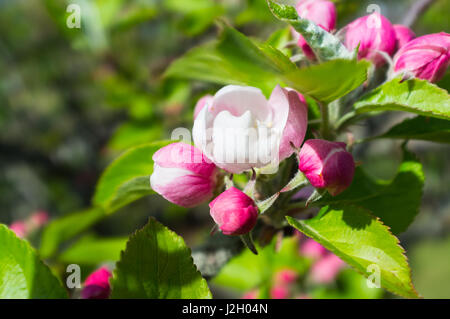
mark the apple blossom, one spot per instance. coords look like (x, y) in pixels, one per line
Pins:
(240, 129)
(286, 276)
(182, 175)
(426, 57)
(97, 285)
(234, 212)
(322, 13)
(312, 249)
(374, 34)
(327, 165)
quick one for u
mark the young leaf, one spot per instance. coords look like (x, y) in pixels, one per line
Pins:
(414, 95)
(324, 45)
(234, 59)
(127, 178)
(22, 274)
(396, 202)
(330, 80)
(157, 264)
(66, 227)
(361, 240)
(420, 128)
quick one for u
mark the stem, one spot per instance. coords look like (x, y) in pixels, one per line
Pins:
(325, 121)
(416, 10)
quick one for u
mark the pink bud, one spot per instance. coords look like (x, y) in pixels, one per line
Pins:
(97, 285)
(285, 277)
(182, 175)
(234, 212)
(322, 13)
(326, 269)
(426, 57)
(202, 103)
(279, 292)
(252, 294)
(312, 249)
(373, 33)
(39, 218)
(327, 165)
(19, 228)
(403, 35)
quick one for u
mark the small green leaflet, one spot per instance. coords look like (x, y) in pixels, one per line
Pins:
(414, 95)
(22, 274)
(157, 264)
(363, 242)
(324, 45)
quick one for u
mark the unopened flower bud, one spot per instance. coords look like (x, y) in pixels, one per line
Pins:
(312, 249)
(182, 175)
(279, 292)
(19, 228)
(426, 57)
(327, 165)
(322, 13)
(286, 277)
(326, 269)
(234, 212)
(403, 35)
(374, 34)
(97, 285)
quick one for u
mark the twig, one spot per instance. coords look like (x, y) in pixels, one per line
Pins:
(416, 10)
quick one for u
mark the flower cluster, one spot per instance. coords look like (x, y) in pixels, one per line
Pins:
(238, 130)
(426, 57)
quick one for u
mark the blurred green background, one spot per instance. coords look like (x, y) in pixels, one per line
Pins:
(71, 100)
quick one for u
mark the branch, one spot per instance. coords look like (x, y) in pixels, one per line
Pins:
(416, 10)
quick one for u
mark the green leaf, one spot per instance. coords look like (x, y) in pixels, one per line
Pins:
(132, 134)
(420, 128)
(396, 202)
(127, 178)
(234, 59)
(330, 80)
(361, 240)
(157, 264)
(66, 227)
(92, 251)
(414, 95)
(22, 274)
(324, 45)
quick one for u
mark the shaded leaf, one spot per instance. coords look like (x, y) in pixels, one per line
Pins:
(420, 128)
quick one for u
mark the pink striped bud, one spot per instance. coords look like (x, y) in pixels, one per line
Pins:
(312, 249)
(403, 35)
(19, 228)
(252, 294)
(326, 269)
(182, 175)
(39, 218)
(322, 13)
(279, 292)
(327, 165)
(373, 33)
(202, 103)
(425, 57)
(286, 277)
(234, 212)
(97, 285)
